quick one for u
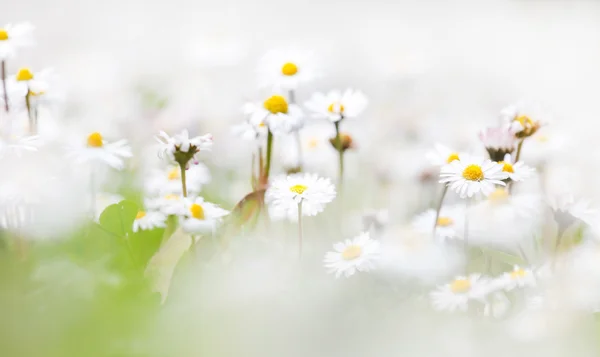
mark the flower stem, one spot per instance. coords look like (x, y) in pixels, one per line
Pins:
(439, 208)
(269, 152)
(519, 147)
(299, 229)
(339, 147)
(32, 129)
(183, 180)
(3, 74)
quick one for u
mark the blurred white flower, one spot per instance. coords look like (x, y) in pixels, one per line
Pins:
(201, 217)
(450, 223)
(519, 277)
(442, 155)
(567, 208)
(471, 176)
(249, 130)
(169, 204)
(164, 181)
(35, 83)
(352, 255)
(146, 220)
(286, 192)
(498, 142)
(457, 294)
(286, 69)
(336, 105)
(280, 116)
(96, 149)
(516, 171)
(18, 145)
(518, 119)
(13, 37)
(171, 146)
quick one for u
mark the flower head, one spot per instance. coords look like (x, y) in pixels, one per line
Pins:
(457, 294)
(146, 220)
(518, 277)
(95, 149)
(352, 255)
(277, 113)
(520, 122)
(13, 37)
(286, 192)
(286, 69)
(442, 155)
(336, 105)
(471, 176)
(201, 217)
(181, 148)
(449, 224)
(498, 142)
(516, 171)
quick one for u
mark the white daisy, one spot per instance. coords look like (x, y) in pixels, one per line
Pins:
(280, 116)
(286, 193)
(336, 106)
(96, 149)
(286, 69)
(17, 145)
(518, 121)
(471, 176)
(13, 37)
(457, 294)
(165, 181)
(498, 142)
(519, 277)
(182, 147)
(146, 220)
(352, 255)
(442, 155)
(201, 217)
(36, 83)
(516, 171)
(450, 223)
(249, 130)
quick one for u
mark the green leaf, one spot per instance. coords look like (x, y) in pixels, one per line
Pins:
(118, 218)
(144, 244)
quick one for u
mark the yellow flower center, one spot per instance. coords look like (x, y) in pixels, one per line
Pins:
(460, 286)
(445, 221)
(276, 104)
(313, 143)
(95, 140)
(473, 173)
(140, 214)
(336, 108)
(24, 74)
(519, 273)
(498, 195)
(351, 252)
(171, 197)
(197, 211)
(524, 120)
(453, 156)
(174, 174)
(508, 167)
(289, 69)
(298, 189)
(3, 35)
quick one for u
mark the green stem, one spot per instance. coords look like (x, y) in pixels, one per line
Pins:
(439, 208)
(32, 129)
(340, 149)
(300, 229)
(519, 147)
(183, 180)
(269, 152)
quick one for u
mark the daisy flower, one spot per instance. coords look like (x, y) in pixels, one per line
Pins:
(181, 148)
(165, 181)
(286, 69)
(248, 130)
(519, 277)
(352, 255)
(498, 142)
(336, 105)
(472, 175)
(34, 83)
(519, 122)
(449, 224)
(286, 193)
(13, 37)
(96, 149)
(516, 171)
(280, 116)
(457, 294)
(442, 155)
(146, 220)
(201, 217)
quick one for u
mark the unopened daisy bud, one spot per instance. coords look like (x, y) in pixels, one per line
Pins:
(498, 142)
(346, 141)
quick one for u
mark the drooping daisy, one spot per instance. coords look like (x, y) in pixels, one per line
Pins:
(352, 255)
(13, 37)
(471, 176)
(516, 171)
(96, 149)
(520, 122)
(519, 277)
(286, 193)
(146, 220)
(18, 145)
(201, 217)
(336, 105)
(280, 116)
(457, 294)
(498, 142)
(442, 155)
(165, 181)
(181, 148)
(286, 69)
(449, 225)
